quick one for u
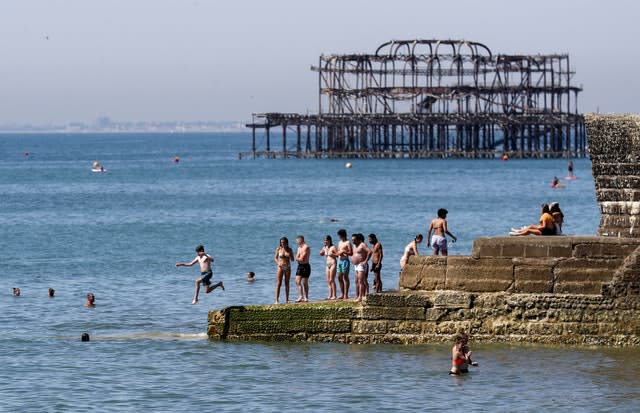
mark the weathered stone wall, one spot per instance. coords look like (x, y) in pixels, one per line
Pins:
(614, 149)
(563, 265)
(422, 317)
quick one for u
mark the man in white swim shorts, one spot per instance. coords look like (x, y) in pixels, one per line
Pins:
(439, 228)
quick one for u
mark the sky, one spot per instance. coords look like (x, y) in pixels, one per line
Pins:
(165, 60)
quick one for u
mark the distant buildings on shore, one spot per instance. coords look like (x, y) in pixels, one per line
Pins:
(106, 125)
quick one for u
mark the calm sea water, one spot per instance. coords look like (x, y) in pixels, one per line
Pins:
(118, 235)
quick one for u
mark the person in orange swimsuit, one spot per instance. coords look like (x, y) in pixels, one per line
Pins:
(458, 357)
(546, 226)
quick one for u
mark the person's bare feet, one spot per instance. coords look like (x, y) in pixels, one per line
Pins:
(195, 301)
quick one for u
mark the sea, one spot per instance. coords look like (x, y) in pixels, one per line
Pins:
(118, 234)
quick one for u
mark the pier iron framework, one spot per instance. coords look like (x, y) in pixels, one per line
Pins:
(433, 98)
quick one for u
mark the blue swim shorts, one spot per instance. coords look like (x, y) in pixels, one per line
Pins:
(343, 266)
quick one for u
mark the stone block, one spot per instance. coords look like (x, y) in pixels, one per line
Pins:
(435, 314)
(393, 313)
(513, 249)
(620, 208)
(386, 300)
(479, 275)
(532, 278)
(536, 250)
(560, 250)
(545, 329)
(370, 327)
(409, 327)
(411, 275)
(453, 300)
(487, 247)
(451, 327)
(617, 182)
(586, 270)
(433, 273)
(418, 300)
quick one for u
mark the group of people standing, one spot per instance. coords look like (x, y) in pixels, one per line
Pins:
(339, 259)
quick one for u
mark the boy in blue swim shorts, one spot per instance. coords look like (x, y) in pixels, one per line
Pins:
(206, 273)
(344, 252)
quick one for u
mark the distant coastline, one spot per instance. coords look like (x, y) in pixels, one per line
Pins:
(105, 125)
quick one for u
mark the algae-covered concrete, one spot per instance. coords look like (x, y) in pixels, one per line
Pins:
(425, 317)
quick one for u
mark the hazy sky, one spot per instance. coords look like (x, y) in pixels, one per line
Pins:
(76, 60)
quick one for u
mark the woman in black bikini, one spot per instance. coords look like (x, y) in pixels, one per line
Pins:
(282, 257)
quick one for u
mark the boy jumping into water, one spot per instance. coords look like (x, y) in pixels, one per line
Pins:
(205, 260)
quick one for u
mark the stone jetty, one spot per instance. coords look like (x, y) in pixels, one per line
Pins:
(557, 290)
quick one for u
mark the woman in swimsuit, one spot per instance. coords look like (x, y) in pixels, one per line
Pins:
(458, 357)
(546, 226)
(283, 257)
(410, 249)
(558, 216)
(331, 253)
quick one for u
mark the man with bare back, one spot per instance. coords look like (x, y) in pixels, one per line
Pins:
(440, 228)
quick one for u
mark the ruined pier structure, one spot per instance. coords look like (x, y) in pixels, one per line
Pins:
(555, 289)
(433, 98)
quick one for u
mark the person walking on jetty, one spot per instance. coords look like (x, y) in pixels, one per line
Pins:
(376, 262)
(283, 257)
(410, 249)
(440, 229)
(206, 262)
(344, 252)
(359, 259)
(331, 253)
(304, 269)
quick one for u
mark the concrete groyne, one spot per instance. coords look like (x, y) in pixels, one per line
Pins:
(556, 290)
